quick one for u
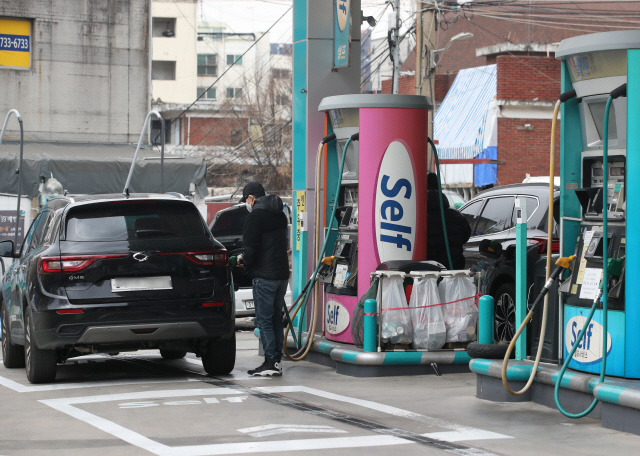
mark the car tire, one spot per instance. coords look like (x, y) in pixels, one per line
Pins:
(220, 356)
(172, 354)
(12, 354)
(488, 351)
(505, 312)
(41, 365)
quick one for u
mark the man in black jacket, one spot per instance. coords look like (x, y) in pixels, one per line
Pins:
(458, 229)
(266, 260)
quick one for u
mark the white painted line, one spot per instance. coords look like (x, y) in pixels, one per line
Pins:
(275, 429)
(289, 445)
(198, 362)
(66, 405)
(428, 420)
(20, 388)
(460, 436)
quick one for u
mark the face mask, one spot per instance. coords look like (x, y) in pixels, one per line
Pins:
(249, 207)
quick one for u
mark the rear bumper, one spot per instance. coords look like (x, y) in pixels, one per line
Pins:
(153, 322)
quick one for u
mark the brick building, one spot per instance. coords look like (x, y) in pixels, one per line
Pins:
(528, 75)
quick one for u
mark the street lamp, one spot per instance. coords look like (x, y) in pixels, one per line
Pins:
(432, 54)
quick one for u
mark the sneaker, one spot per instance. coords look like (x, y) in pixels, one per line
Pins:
(267, 369)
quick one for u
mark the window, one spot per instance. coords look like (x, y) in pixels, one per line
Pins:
(532, 205)
(156, 139)
(27, 239)
(229, 222)
(121, 222)
(496, 216)
(164, 27)
(234, 92)
(231, 59)
(470, 213)
(282, 99)
(236, 138)
(207, 65)
(209, 94)
(281, 73)
(163, 70)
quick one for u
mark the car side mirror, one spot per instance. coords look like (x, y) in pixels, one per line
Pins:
(491, 249)
(6, 249)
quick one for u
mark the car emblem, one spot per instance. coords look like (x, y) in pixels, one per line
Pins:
(140, 256)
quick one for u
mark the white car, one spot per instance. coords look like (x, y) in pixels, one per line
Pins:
(245, 305)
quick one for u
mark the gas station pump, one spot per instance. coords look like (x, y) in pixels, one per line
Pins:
(382, 201)
(599, 206)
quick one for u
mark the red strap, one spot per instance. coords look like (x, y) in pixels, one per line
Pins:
(424, 307)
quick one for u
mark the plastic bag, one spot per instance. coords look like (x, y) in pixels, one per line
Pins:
(428, 323)
(460, 318)
(396, 324)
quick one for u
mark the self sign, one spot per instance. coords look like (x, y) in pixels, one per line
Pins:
(396, 207)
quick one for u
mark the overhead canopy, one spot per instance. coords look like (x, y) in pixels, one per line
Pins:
(97, 169)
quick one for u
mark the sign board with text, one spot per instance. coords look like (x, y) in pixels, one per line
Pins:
(8, 227)
(342, 34)
(15, 43)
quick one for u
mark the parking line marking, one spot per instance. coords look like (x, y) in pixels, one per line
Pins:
(20, 388)
(434, 440)
(390, 410)
(198, 362)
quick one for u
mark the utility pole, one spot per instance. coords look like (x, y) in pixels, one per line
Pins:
(425, 43)
(396, 49)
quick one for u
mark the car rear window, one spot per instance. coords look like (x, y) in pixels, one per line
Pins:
(229, 222)
(121, 221)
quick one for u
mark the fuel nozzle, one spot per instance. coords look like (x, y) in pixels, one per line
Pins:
(562, 263)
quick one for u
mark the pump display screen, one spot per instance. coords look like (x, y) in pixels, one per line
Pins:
(597, 172)
(617, 171)
(597, 113)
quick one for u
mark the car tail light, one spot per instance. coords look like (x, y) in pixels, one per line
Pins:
(213, 304)
(541, 242)
(72, 263)
(69, 311)
(218, 257)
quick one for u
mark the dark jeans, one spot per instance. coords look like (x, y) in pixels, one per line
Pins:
(268, 297)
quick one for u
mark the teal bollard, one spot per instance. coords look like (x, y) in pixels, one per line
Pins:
(486, 319)
(370, 330)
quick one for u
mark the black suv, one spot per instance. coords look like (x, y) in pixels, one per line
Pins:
(107, 273)
(492, 217)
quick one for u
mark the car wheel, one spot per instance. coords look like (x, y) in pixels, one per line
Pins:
(505, 312)
(41, 364)
(172, 354)
(488, 351)
(220, 357)
(12, 355)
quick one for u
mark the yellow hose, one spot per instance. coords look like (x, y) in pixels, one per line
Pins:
(316, 255)
(505, 363)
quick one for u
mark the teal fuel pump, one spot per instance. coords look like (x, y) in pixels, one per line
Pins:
(602, 294)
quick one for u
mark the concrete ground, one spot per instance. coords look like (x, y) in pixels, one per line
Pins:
(139, 404)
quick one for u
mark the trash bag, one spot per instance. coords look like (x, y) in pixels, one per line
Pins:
(460, 318)
(428, 323)
(357, 320)
(396, 324)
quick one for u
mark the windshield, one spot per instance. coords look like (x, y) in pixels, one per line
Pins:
(121, 221)
(229, 222)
